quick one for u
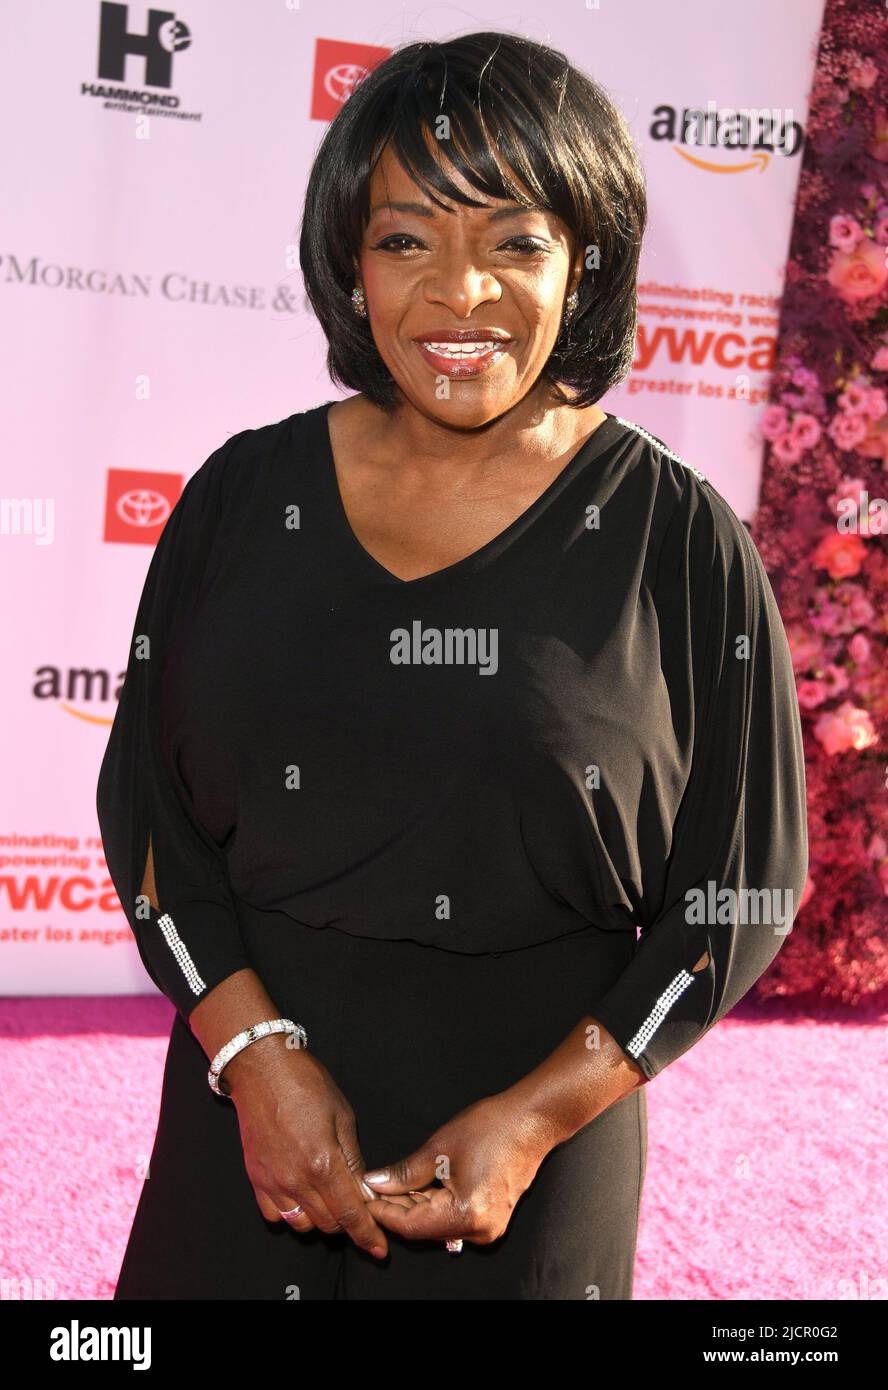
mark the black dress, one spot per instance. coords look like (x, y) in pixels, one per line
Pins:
(432, 814)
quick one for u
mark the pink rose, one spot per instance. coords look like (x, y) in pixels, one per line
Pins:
(846, 430)
(848, 488)
(845, 728)
(868, 687)
(805, 378)
(877, 847)
(860, 273)
(805, 648)
(874, 444)
(774, 421)
(835, 679)
(860, 649)
(844, 232)
(805, 430)
(860, 610)
(811, 693)
(787, 449)
(848, 608)
(864, 75)
(839, 555)
(854, 398)
(830, 618)
(880, 361)
(876, 403)
(879, 148)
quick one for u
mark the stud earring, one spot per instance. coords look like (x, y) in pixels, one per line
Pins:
(359, 304)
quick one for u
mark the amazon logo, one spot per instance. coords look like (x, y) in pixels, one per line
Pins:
(727, 140)
(81, 692)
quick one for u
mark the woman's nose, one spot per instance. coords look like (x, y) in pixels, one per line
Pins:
(462, 288)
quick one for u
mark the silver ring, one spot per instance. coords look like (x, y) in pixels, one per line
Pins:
(295, 1211)
(454, 1247)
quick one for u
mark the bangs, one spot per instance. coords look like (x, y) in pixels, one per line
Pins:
(428, 131)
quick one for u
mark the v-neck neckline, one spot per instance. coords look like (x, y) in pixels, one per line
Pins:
(588, 450)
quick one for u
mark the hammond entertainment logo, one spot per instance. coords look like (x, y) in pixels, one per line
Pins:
(144, 57)
(339, 67)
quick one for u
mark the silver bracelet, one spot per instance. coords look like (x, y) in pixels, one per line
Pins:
(250, 1035)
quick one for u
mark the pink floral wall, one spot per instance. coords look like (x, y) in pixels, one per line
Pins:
(822, 521)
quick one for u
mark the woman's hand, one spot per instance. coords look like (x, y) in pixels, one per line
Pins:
(298, 1130)
(489, 1153)
(300, 1142)
(486, 1157)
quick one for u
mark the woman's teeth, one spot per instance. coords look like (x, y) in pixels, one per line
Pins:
(458, 350)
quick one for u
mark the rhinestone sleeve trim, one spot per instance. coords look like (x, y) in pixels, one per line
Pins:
(662, 447)
(180, 951)
(677, 987)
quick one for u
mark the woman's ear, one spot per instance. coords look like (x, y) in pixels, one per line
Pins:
(577, 270)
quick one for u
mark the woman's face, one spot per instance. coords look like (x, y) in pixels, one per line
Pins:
(429, 275)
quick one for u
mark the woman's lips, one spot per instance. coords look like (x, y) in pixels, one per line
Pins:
(467, 359)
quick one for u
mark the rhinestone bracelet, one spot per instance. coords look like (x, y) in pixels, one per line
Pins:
(250, 1035)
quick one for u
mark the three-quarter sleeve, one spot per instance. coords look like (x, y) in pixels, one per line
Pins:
(722, 904)
(191, 941)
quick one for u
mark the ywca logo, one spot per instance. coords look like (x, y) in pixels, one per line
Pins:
(165, 36)
(338, 69)
(137, 504)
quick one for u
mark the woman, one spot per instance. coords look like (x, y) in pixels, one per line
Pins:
(436, 694)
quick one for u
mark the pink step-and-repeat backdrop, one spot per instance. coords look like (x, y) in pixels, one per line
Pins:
(153, 166)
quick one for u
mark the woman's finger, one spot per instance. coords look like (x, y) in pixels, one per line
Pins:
(407, 1200)
(300, 1222)
(282, 1202)
(315, 1211)
(267, 1205)
(344, 1196)
(435, 1217)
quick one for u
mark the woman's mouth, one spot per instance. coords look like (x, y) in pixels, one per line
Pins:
(462, 359)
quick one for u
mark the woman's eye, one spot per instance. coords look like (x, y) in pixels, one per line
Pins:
(387, 243)
(402, 241)
(525, 243)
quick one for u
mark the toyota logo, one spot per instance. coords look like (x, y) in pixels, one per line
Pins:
(339, 81)
(143, 507)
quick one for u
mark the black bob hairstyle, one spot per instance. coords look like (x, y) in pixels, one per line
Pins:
(553, 128)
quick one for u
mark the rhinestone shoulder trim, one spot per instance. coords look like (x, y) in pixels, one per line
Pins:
(180, 951)
(673, 991)
(630, 424)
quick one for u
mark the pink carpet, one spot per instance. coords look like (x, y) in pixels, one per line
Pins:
(765, 1148)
